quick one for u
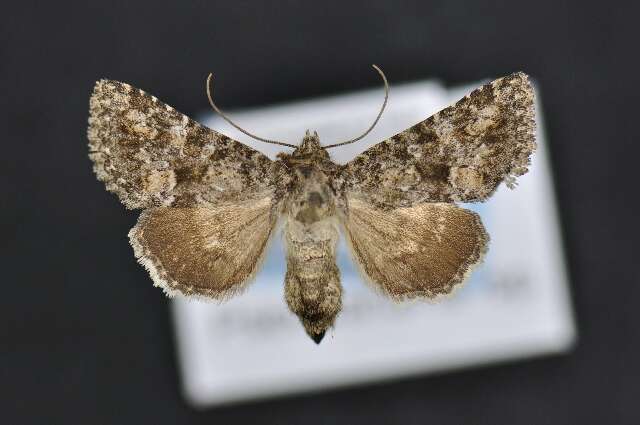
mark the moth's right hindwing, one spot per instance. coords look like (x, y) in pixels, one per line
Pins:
(150, 155)
(422, 251)
(208, 251)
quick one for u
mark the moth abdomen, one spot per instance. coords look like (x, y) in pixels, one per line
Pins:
(312, 284)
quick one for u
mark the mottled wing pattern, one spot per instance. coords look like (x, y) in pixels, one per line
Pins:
(461, 153)
(415, 252)
(149, 154)
(208, 251)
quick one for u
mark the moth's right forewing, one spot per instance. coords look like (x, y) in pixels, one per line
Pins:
(422, 251)
(209, 251)
(461, 153)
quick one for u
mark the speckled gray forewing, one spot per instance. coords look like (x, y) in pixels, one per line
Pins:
(461, 153)
(149, 154)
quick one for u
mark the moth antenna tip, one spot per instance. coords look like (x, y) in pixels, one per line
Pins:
(384, 104)
(236, 126)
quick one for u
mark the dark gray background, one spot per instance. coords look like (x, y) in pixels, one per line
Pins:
(86, 339)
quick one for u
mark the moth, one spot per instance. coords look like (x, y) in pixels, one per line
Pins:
(211, 204)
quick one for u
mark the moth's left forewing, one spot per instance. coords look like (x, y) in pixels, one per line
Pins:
(461, 153)
(151, 155)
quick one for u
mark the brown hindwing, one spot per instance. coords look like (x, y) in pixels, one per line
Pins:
(417, 252)
(212, 252)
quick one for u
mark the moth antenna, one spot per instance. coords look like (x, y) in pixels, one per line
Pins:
(227, 119)
(384, 104)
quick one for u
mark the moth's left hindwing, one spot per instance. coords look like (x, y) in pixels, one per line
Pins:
(150, 155)
(208, 251)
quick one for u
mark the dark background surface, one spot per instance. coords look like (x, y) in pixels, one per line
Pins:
(86, 339)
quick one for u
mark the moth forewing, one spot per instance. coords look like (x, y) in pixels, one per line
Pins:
(461, 153)
(149, 154)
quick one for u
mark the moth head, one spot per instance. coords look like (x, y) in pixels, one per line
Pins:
(310, 147)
